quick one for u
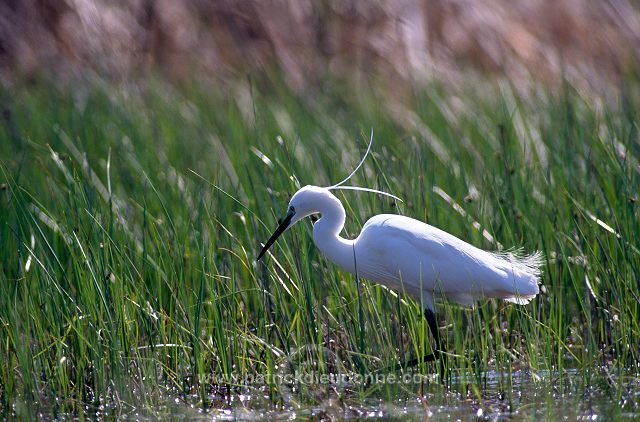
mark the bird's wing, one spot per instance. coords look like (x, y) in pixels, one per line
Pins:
(427, 258)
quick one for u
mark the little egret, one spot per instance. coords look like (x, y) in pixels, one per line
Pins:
(408, 255)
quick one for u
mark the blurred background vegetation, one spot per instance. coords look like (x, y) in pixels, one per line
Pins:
(591, 44)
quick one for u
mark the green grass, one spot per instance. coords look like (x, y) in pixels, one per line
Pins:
(130, 219)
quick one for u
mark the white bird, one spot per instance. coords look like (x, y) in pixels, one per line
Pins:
(408, 255)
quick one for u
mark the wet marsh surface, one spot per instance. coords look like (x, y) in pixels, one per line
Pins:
(521, 395)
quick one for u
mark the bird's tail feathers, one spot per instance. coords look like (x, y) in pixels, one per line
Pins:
(526, 272)
(521, 263)
(519, 300)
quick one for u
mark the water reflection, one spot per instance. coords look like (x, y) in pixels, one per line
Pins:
(543, 395)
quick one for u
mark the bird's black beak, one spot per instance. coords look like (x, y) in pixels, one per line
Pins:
(284, 224)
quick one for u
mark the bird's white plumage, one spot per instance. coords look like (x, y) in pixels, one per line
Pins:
(409, 255)
(428, 260)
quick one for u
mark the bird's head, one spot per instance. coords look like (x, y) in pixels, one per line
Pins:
(307, 201)
(303, 203)
(312, 199)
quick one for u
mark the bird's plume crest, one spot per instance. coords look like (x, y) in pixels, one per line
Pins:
(339, 185)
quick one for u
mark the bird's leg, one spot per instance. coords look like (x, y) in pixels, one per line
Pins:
(433, 326)
(438, 350)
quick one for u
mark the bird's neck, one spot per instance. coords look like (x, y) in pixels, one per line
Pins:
(326, 235)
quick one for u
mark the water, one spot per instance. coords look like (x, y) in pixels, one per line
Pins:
(531, 396)
(543, 395)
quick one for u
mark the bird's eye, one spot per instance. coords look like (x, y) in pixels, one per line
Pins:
(292, 209)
